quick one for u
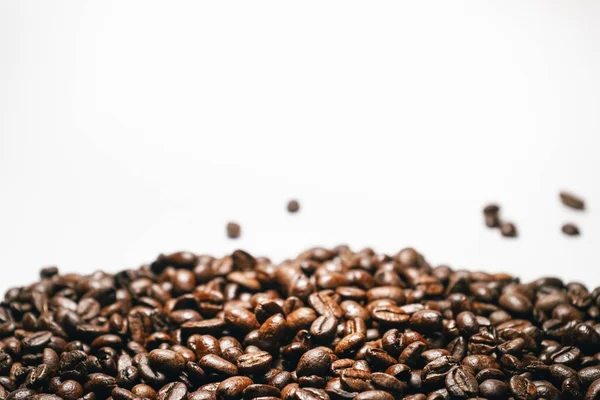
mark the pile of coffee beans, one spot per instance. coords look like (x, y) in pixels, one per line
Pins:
(329, 324)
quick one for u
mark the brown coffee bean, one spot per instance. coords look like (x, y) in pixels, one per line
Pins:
(522, 388)
(293, 206)
(461, 384)
(494, 389)
(570, 229)
(215, 364)
(593, 392)
(316, 361)
(374, 395)
(233, 230)
(388, 383)
(356, 380)
(233, 388)
(254, 363)
(516, 304)
(572, 201)
(167, 361)
(508, 229)
(70, 390)
(491, 215)
(349, 344)
(324, 328)
(426, 321)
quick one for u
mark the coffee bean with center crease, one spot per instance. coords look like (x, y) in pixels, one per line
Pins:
(173, 391)
(254, 363)
(522, 388)
(461, 384)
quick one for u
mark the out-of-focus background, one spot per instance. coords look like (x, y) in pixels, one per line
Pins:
(133, 128)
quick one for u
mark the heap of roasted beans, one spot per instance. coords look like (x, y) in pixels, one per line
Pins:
(330, 324)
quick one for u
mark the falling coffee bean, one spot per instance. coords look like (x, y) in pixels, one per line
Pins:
(572, 201)
(293, 206)
(570, 229)
(233, 230)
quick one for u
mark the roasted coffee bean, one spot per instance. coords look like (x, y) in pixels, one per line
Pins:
(254, 363)
(166, 361)
(316, 361)
(467, 323)
(426, 321)
(233, 388)
(349, 344)
(508, 229)
(217, 365)
(494, 389)
(324, 328)
(374, 395)
(490, 213)
(593, 392)
(293, 206)
(570, 229)
(233, 230)
(356, 380)
(388, 383)
(571, 200)
(516, 303)
(522, 388)
(461, 383)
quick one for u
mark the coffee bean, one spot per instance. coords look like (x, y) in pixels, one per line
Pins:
(508, 229)
(233, 388)
(494, 389)
(215, 364)
(356, 380)
(167, 361)
(316, 361)
(426, 321)
(522, 388)
(324, 327)
(388, 383)
(593, 392)
(490, 213)
(374, 395)
(572, 201)
(516, 304)
(254, 363)
(570, 229)
(349, 344)
(461, 383)
(233, 230)
(293, 206)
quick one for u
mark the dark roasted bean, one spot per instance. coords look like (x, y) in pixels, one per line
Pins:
(522, 388)
(293, 206)
(233, 230)
(494, 389)
(570, 229)
(461, 383)
(572, 201)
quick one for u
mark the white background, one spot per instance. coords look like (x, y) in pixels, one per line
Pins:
(133, 128)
